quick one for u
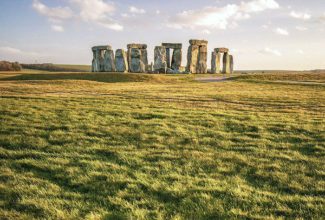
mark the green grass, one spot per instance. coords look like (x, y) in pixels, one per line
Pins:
(121, 146)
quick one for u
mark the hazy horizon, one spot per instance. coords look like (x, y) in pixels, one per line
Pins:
(261, 34)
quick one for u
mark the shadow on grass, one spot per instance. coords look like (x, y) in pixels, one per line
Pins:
(97, 77)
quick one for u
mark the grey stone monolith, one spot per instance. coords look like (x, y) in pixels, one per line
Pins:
(176, 59)
(109, 61)
(121, 63)
(160, 62)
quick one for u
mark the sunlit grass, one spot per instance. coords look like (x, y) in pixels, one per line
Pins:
(109, 146)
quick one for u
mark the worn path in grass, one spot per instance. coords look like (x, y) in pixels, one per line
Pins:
(115, 146)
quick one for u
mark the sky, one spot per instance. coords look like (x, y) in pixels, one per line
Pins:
(261, 34)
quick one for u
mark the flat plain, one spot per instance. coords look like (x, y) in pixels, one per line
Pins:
(121, 146)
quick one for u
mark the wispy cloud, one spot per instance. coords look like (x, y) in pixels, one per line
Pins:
(220, 17)
(97, 12)
(300, 15)
(136, 10)
(15, 51)
(281, 31)
(301, 28)
(57, 28)
(269, 51)
(60, 13)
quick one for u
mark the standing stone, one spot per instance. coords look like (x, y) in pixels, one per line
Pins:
(102, 61)
(168, 57)
(121, 63)
(226, 63)
(215, 62)
(176, 59)
(136, 66)
(98, 62)
(197, 56)
(231, 64)
(109, 61)
(144, 57)
(192, 58)
(202, 60)
(138, 52)
(160, 65)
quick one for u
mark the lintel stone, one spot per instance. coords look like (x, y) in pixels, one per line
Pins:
(221, 50)
(172, 45)
(199, 42)
(137, 46)
(106, 47)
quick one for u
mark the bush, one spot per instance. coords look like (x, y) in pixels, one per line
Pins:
(50, 67)
(8, 66)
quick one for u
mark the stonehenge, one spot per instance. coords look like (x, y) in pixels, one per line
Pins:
(121, 61)
(197, 56)
(160, 58)
(135, 59)
(227, 61)
(175, 62)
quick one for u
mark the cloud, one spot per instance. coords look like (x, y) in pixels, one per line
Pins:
(136, 10)
(301, 28)
(269, 51)
(53, 13)
(15, 51)
(281, 31)
(97, 12)
(219, 17)
(300, 52)
(57, 28)
(300, 15)
(259, 5)
(206, 31)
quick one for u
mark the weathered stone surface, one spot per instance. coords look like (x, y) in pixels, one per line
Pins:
(103, 47)
(144, 57)
(137, 66)
(109, 61)
(172, 45)
(202, 60)
(192, 58)
(221, 50)
(226, 63)
(198, 42)
(98, 62)
(231, 63)
(176, 59)
(121, 63)
(215, 62)
(138, 46)
(168, 57)
(160, 64)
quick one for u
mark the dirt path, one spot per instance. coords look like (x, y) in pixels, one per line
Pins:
(212, 79)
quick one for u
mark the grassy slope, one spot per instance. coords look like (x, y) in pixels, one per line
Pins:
(156, 148)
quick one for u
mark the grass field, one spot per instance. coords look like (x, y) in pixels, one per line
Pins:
(122, 146)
